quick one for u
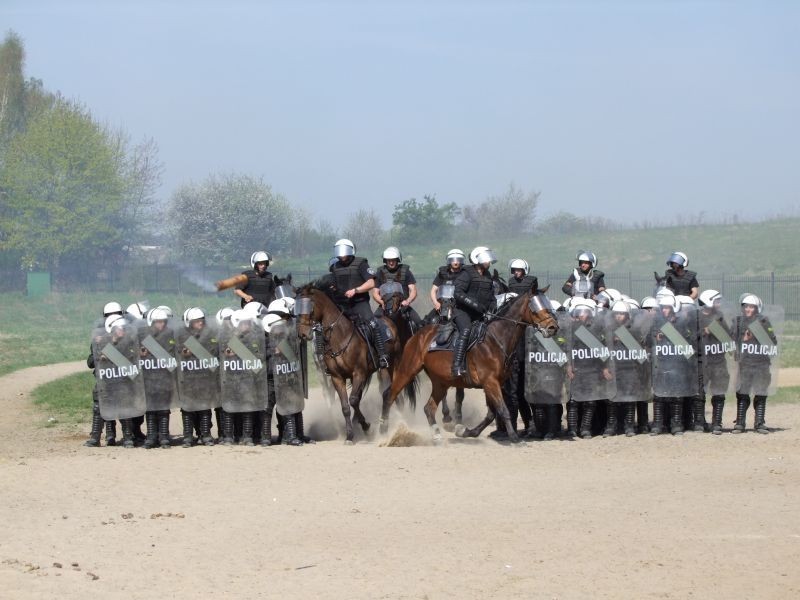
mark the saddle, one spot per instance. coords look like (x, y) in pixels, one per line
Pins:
(445, 339)
(366, 333)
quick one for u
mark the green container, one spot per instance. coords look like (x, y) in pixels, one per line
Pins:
(38, 284)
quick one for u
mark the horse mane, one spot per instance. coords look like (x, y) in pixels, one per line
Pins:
(506, 307)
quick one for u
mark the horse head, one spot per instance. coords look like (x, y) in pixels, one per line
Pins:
(498, 283)
(284, 287)
(540, 313)
(392, 295)
(311, 304)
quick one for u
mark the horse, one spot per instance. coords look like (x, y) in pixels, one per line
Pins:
(393, 309)
(347, 355)
(487, 362)
(451, 422)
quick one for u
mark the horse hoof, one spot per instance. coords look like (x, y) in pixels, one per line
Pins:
(365, 427)
(460, 431)
(438, 440)
(384, 428)
(448, 426)
(447, 419)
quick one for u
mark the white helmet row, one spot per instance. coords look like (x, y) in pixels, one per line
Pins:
(586, 256)
(518, 263)
(260, 256)
(392, 253)
(456, 256)
(344, 247)
(481, 255)
(579, 305)
(159, 313)
(192, 314)
(679, 258)
(753, 300)
(112, 308)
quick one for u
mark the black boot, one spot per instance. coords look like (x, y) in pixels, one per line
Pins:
(459, 354)
(538, 425)
(290, 432)
(760, 405)
(642, 417)
(380, 344)
(630, 418)
(572, 418)
(111, 433)
(553, 421)
(611, 419)
(163, 428)
(717, 404)
(218, 412)
(97, 427)
(586, 421)
(658, 417)
(742, 404)
(301, 430)
(247, 429)
(676, 417)
(127, 433)
(136, 428)
(699, 420)
(266, 428)
(152, 429)
(227, 428)
(205, 428)
(188, 425)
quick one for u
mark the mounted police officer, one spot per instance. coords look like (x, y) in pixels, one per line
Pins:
(395, 271)
(260, 286)
(353, 279)
(474, 296)
(586, 281)
(446, 274)
(678, 278)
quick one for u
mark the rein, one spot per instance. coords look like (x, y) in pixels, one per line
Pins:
(327, 338)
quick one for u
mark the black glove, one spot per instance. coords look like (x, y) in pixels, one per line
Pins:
(470, 303)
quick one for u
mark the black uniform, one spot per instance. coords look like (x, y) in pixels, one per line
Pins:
(402, 275)
(595, 277)
(681, 284)
(97, 420)
(754, 370)
(715, 343)
(260, 286)
(474, 295)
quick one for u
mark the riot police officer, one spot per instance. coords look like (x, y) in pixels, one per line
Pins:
(587, 280)
(260, 286)
(716, 342)
(353, 279)
(446, 273)
(678, 278)
(394, 270)
(110, 308)
(474, 296)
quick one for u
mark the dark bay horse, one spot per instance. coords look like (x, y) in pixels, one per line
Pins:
(487, 362)
(392, 296)
(347, 356)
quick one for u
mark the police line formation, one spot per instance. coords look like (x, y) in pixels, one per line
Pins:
(611, 359)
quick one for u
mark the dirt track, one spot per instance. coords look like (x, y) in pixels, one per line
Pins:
(663, 517)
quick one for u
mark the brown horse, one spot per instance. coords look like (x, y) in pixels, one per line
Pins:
(393, 309)
(487, 362)
(347, 355)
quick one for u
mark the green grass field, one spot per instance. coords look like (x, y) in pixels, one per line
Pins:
(66, 400)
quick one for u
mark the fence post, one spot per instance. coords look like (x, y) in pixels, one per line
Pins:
(772, 287)
(630, 282)
(722, 285)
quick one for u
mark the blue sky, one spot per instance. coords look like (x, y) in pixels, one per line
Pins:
(628, 110)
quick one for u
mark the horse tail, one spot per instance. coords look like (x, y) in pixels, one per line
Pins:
(411, 391)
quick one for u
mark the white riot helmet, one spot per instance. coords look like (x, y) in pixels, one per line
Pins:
(114, 321)
(258, 257)
(255, 308)
(665, 300)
(518, 263)
(343, 248)
(157, 314)
(621, 307)
(579, 306)
(665, 292)
(166, 309)
(586, 256)
(456, 256)
(555, 304)
(567, 304)
(708, 297)
(192, 314)
(112, 308)
(223, 314)
(753, 300)
(633, 303)
(137, 309)
(481, 255)
(679, 258)
(281, 307)
(392, 253)
(241, 316)
(684, 300)
(649, 302)
(268, 321)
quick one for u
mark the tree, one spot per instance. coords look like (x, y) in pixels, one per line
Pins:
(227, 218)
(364, 228)
(510, 214)
(62, 190)
(424, 221)
(12, 88)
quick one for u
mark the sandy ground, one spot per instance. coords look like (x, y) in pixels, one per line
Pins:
(647, 517)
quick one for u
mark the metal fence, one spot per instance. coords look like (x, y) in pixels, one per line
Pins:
(772, 288)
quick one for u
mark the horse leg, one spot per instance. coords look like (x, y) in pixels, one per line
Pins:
(341, 388)
(359, 382)
(496, 404)
(438, 392)
(403, 374)
(459, 405)
(446, 418)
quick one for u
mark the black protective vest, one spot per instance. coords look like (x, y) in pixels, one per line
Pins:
(526, 284)
(447, 275)
(476, 286)
(681, 285)
(347, 278)
(262, 289)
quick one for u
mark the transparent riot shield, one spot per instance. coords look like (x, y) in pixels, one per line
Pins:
(630, 356)
(286, 367)
(545, 364)
(758, 350)
(243, 369)
(446, 295)
(591, 368)
(120, 384)
(717, 348)
(197, 352)
(675, 366)
(158, 364)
